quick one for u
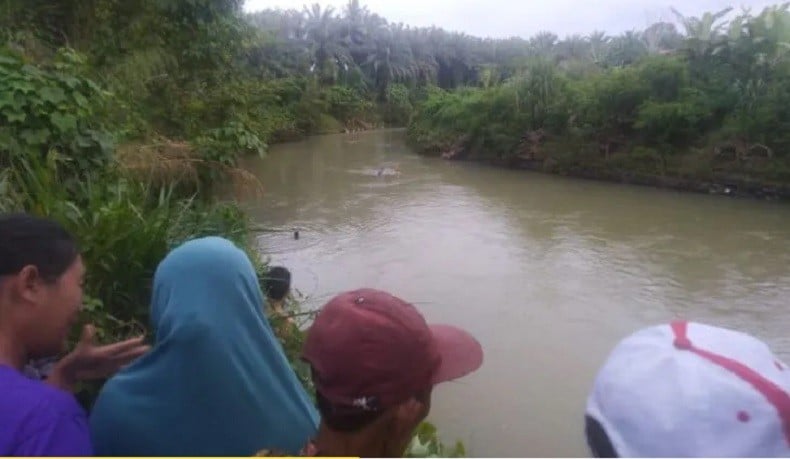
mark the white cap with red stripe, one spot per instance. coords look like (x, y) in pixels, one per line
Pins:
(693, 390)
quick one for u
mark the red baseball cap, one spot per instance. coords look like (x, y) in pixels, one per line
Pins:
(370, 350)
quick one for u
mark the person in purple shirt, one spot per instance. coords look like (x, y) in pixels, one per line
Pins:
(41, 276)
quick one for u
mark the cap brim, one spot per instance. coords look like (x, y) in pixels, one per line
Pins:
(461, 353)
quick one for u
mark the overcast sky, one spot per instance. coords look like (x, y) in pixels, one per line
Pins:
(506, 18)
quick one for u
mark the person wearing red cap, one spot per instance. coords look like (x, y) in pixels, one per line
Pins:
(374, 363)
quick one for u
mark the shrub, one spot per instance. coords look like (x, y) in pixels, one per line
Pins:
(52, 109)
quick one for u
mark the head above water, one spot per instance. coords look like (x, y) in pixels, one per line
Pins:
(374, 363)
(690, 390)
(41, 275)
(277, 283)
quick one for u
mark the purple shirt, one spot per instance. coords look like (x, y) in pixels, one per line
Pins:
(37, 419)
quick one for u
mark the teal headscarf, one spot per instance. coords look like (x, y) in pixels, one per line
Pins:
(216, 382)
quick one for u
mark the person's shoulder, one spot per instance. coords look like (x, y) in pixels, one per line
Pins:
(30, 407)
(31, 399)
(58, 402)
(21, 393)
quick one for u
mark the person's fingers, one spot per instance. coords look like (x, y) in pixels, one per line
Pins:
(132, 354)
(120, 347)
(88, 335)
(112, 365)
(107, 366)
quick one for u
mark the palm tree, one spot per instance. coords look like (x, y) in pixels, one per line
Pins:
(574, 47)
(702, 34)
(390, 60)
(662, 37)
(772, 27)
(543, 43)
(626, 49)
(354, 16)
(424, 60)
(599, 43)
(328, 41)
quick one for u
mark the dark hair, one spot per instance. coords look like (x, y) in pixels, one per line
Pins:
(597, 438)
(349, 418)
(40, 242)
(277, 282)
(342, 419)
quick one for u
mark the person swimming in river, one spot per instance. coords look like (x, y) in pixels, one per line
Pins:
(388, 171)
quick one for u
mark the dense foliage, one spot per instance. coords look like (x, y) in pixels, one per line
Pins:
(707, 103)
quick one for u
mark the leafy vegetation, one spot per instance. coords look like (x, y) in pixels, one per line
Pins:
(46, 109)
(707, 103)
(426, 443)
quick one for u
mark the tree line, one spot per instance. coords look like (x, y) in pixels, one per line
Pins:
(707, 103)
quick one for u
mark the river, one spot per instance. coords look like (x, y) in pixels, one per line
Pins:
(547, 272)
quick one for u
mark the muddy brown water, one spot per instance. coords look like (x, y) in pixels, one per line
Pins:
(548, 272)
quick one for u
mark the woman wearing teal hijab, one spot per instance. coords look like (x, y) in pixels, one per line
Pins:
(216, 382)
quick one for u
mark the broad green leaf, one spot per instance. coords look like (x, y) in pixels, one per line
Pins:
(53, 95)
(104, 140)
(63, 121)
(35, 136)
(80, 99)
(71, 82)
(16, 117)
(23, 86)
(6, 100)
(94, 86)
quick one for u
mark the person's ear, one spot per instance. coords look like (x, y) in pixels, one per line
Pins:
(27, 283)
(404, 420)
(411, 412)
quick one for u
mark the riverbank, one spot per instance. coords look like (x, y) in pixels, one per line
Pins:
(724, 185)
(597, 169)
(654, 142)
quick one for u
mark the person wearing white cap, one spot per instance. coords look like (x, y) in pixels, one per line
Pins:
(687, 389)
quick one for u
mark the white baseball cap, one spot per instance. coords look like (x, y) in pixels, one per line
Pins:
(693, 390)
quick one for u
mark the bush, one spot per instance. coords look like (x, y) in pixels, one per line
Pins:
(52, 109)
(397, 110)
(670, 123)
(346, 104)
(124, 228)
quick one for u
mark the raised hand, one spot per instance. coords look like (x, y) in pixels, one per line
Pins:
(88, 361)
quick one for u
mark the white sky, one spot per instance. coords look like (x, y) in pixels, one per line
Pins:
(505, 18)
